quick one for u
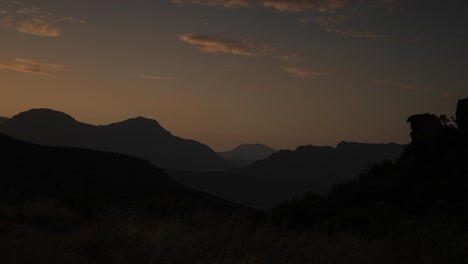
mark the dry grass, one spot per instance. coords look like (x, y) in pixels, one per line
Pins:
(115, 238)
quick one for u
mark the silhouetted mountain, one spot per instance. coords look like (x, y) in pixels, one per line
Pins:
(138, 137)
(250, 152)
(3, 119)
(287, 174)
(85, 179)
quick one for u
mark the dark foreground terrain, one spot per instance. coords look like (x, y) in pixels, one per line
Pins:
(47, 232)
(63, 205)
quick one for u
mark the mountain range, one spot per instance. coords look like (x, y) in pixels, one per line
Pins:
(139, 137)
(84, 179)
(288, 174)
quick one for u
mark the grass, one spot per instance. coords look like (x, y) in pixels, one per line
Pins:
(47, 232)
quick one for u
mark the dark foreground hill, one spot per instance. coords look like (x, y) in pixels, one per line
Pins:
(86, 179)
(288, 174)
(140, 137)
(428, 184)
(3, 119)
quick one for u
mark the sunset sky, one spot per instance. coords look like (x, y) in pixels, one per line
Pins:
(283, 73)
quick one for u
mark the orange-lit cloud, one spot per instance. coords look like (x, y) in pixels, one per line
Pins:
(30, 10)
(290, 58)
(71, 20)
(219, 3)
(32, 67)
(322, 6)
(280, 5)
(34, 21)
(304, 73)
(386, 5)
(214, 44)
(301, 5)
(325, 21)
(39, 27)
(153, 77)
(358, 34)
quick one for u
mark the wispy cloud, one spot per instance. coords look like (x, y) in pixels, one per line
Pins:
(290, 58)
(32, 67)
(386, 5)
(324, 21)
(215, 44)
(302, 5)
(218, 3)
(325, 13)
(322, 6)
(304, 73)
(30, 10)
(34, 21)
(153, 77)
(39, 27)
(358, 34)
(280, 5)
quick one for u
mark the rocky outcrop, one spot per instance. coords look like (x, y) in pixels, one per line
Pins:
(462, 115)
(426, 129)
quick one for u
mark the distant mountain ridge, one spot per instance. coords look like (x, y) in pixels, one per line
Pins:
(140, 137)
(291, 173)
(249, 152)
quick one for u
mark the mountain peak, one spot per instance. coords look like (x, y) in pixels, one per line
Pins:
(141, 120)
(139, 123)
(43, 115)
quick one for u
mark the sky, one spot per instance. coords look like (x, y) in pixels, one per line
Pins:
(282, 73)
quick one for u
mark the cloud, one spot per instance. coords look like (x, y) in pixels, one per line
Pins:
(41, 65)
(30, 10)
(324, 21)
(217, 3)
(153, 77)
(39, 27)
(71, 20)
(322, 6)
(215, 44)
(386, 5)
(304, 73)
(32, 67)
(34, 21)
(302, 5)
(280, 5)
(358, 34)
(290, 58)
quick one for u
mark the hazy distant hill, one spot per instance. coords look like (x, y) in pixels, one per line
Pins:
(85, 178)
(138, 137)
(287, 174)
(3, 119)
(246, 154)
